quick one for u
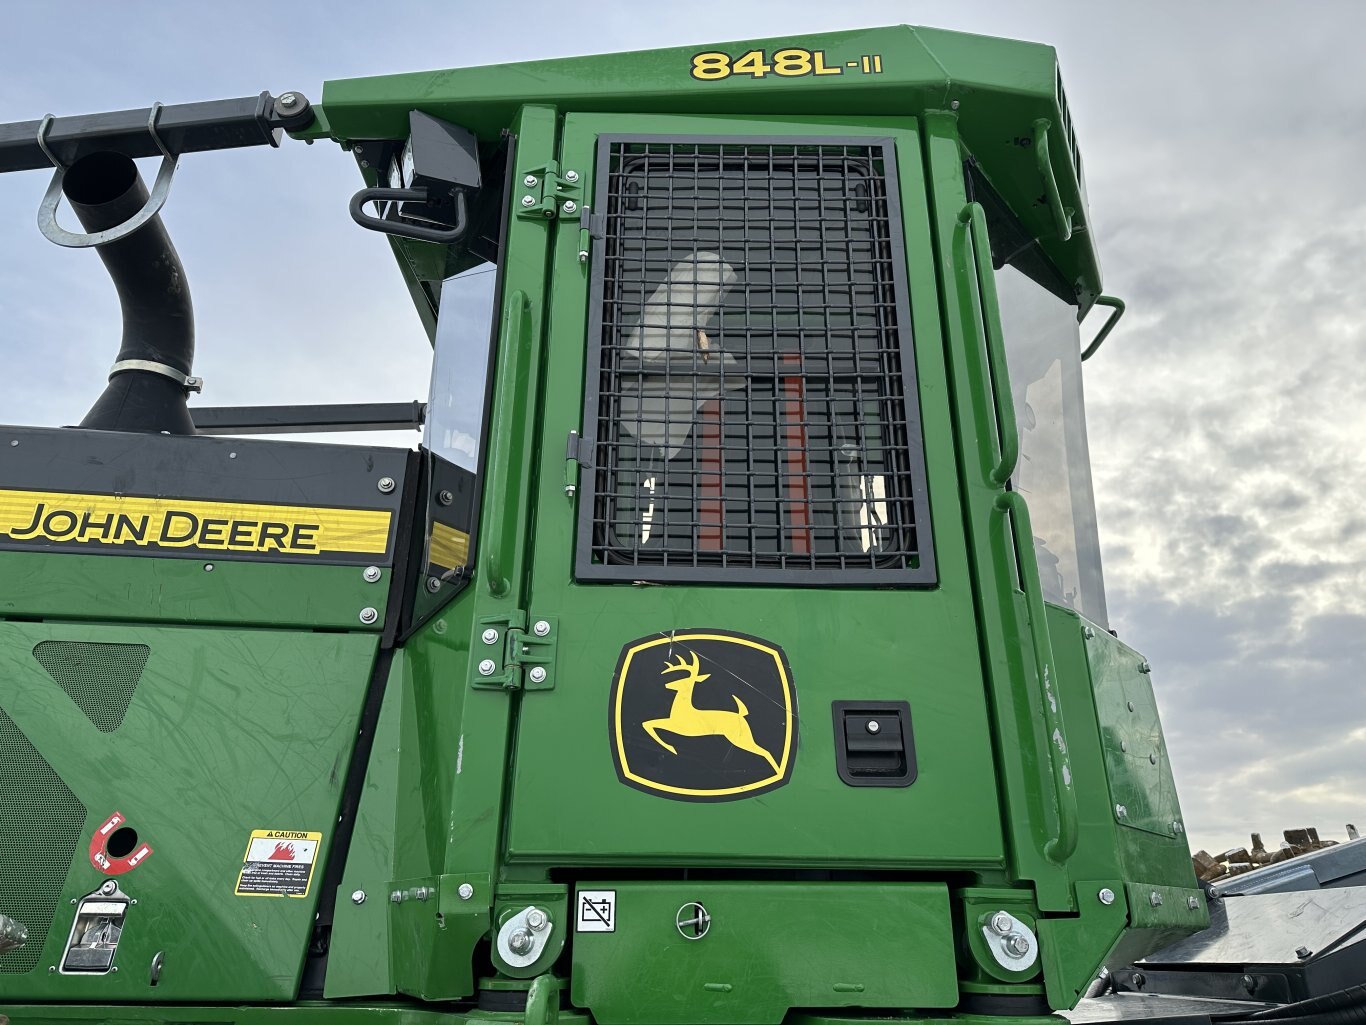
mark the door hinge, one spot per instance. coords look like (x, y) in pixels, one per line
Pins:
(545, 192)
(576, 455)
(591, 226)
(515, 652)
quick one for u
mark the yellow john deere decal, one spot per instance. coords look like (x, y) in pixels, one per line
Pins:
(690, 735)
(46, 518)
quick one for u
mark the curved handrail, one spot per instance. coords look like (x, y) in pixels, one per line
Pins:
(1062, 215)
(1059, 847)
(1117, 305)
(991, 355)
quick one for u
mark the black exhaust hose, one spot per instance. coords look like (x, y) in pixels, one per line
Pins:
(104, 190)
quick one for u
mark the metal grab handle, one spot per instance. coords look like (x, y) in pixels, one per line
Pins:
(991, 353)
(402, 228)
(514, 353)
(1117, 305)
(1057, 848)
(1062, 215)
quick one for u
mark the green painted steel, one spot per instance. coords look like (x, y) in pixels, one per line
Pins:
(489, 789)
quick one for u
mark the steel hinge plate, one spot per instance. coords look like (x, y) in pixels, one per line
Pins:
(545, 192)
(515, 652)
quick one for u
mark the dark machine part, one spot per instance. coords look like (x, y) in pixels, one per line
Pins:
(151, 376)
(430, 180)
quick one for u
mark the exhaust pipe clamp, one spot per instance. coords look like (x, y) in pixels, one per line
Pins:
(194, 384)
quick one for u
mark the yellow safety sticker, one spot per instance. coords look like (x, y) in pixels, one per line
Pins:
(278, 863)
(45, 518)
(449, 548)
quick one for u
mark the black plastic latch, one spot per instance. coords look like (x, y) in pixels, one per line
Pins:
(874, 745)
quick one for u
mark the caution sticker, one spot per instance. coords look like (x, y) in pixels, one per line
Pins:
(278, 863)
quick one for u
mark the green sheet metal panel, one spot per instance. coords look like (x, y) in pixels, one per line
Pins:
(768, 947)
(224, 732)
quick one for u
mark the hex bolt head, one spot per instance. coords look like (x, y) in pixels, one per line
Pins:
(433, 584)
(371, 574)
(1249, 984)
(445, 497)
(465, 891)
(1131, 706)
(396, 897)
(1121, 812)
(1303, 953)
(528, 201)
(521, 941)
(873, 726)
(1152, 759)
(108, 887)
(537, 674)
(1123, 745)
(368, 615)
(1193, 903)
(1155, 899)
(386, 484)
(422, 893)
(1106, 896)
(571, 176)
(1001, 923)
(1088, 633)
(570, 206)
(529, 181)
(487, 667)
(1015, 944)
(490, 636)
(541, 628)
(1137, 980)
(536, 919)
(208, 567)
(358, 897)
(1144, 667)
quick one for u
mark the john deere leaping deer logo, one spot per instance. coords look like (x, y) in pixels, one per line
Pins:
(703, 715)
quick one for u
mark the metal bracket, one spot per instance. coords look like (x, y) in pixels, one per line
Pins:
(194, 384)
(544, 193)
(512, 653)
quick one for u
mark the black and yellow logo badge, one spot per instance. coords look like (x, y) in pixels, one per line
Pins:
(703, 715)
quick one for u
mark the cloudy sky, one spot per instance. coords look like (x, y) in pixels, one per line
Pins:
(1224, 144)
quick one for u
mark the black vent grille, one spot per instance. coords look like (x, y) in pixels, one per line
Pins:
(100, 678)
(40, 824)
(752, 389)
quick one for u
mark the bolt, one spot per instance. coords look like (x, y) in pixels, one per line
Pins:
(396, 897)
(109, 887)
(487, 667)
(1131, 706)
(1193, 903)
(570, 206)
(490, 636)
(1016, 945)
(1121, 812)
(1138, 980)
(1001, 923)
(232, 455)
(371, 574)
(953, 105)
(873, 726)
(288, 99)
(52, 967)
(549, 212)
(528, 201)
(1155, 899)
(571, 176)
(358, 148)
(422, 893)
(465, 890)
(445, 497)
(358, 897)
(1178, 827)
(540, 628)
(537, 674)
(208, 567)
(521, 942)
(1249, 983)
(386, 484)
(368, 615)
(1106, 896)
(1123, 745)
(1088, 633)
(529, 181)
(1303, 953)
(1152, 759)
(433, 584)
(536, 919)
(1144, 667)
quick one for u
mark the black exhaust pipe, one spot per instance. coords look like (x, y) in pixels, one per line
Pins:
(147, 387)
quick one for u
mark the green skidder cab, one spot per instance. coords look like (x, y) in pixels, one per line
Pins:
(732, 650)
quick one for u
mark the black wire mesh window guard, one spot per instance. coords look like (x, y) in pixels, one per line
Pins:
(751, 402)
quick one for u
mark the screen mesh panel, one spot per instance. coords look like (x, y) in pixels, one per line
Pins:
(752, 390)
(42, 823)
(100, 678)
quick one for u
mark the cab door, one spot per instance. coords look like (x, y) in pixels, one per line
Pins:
(747, 540)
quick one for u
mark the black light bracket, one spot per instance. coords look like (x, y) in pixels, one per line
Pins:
(427, 183)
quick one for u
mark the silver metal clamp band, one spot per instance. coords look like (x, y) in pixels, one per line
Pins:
(194, 384)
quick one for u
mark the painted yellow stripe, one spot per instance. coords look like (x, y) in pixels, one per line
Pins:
(54, 517)
(449, 548)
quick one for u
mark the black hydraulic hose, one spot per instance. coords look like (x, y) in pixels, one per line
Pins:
(105, 190)
(1343, 1007)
